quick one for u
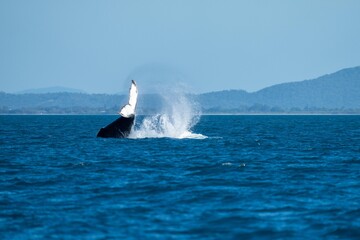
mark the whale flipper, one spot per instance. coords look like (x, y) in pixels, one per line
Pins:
(122, 126)
(129, 109)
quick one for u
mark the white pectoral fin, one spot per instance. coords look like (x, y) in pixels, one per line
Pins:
(133, 94)
(129, 109)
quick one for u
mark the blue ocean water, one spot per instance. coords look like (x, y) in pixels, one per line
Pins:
(252, 177)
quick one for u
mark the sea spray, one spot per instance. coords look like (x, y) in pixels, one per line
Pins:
(179, 114)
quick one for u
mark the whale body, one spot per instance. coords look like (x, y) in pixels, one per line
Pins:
(121, 127)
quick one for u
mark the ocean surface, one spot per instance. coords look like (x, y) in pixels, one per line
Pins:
(225, 177)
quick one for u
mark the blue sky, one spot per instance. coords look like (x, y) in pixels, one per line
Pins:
(98, 46)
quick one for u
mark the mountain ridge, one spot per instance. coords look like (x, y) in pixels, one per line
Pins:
(55, 89)
(336, 92)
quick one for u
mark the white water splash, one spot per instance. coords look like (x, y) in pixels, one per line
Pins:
(176, 120)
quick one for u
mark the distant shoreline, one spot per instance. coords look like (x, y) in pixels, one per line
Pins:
(332, 94)
(205, 114)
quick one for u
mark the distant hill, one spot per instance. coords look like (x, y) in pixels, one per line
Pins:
(52, 90)
(338, 92)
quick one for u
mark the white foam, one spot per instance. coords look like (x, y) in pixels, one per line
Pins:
(175, 121)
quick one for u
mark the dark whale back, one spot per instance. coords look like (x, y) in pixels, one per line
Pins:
(120, 128)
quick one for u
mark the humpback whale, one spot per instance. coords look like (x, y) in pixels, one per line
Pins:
(121, 127)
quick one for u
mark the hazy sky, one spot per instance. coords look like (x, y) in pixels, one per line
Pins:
(98, 46)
